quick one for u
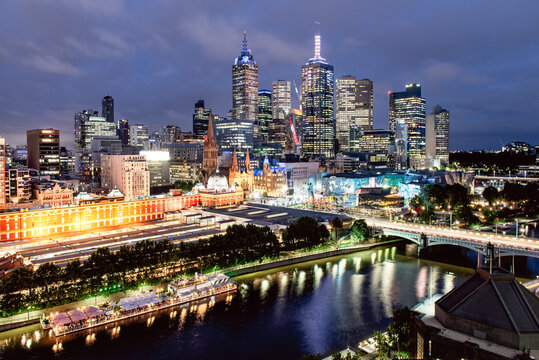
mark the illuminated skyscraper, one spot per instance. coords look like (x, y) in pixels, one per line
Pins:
(407, 110)
(280, 99)
(245, 85)
(437, 136)
(123, 131)
(107, 108)
(44, 150)
(317, 105)
(201, 118)
(260, 131)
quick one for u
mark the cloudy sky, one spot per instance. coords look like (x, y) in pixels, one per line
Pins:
(479, 59)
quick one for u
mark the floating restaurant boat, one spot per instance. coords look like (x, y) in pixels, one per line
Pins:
(180, 292)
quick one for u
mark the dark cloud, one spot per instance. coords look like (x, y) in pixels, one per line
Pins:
(478, 59)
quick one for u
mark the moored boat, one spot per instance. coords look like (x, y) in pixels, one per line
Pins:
(181, 291)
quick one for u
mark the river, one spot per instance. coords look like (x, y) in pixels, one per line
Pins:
(318, 307)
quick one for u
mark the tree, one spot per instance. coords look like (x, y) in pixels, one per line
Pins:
(490, 194)
(304, 232)
(336, 225)
(360, 230)
(184, 185)
(383, 344)
(324, 232)
(399, 329)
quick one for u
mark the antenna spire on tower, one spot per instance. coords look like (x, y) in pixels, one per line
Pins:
(244, 47)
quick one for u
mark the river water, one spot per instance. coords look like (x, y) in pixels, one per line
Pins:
(318, 307)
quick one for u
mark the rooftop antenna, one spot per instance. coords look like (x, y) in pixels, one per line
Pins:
(244, 46)
(317, 41)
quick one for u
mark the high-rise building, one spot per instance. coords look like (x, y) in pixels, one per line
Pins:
(407, 110)
(245, 85)
(171, 134)
(260, 130)
(102, 145)
(88, 124)
(123, 131)
(127, 173)
(377, 143)
(44, 150)
(158, 166)
(354, 110)
(201, 117)
(18, 184)
(107, 108)
(139, 136)
(233, 134)
(437, 136)
(2, 174)
(317, 105)
(281, 104)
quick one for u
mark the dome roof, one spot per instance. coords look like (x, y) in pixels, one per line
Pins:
(198, 187)
(218, 182)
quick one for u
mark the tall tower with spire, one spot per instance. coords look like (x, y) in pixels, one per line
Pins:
(317, 88)
(209, 152)
(245, 84)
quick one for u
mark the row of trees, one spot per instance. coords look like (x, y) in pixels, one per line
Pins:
(523, 200)
(454, 198)
(146, 261)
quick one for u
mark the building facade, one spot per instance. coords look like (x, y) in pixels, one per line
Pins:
(127, 173)
(53, 195)
(18, 185)
(139, 136)
(260, 129)
(124, 131)
(437, 136)
(354, 110)
(107, 108)
(158, 166)
(245, 85)
(44, 150)
(317, 105)
(93, 216)
(407, 120)
(201, 117)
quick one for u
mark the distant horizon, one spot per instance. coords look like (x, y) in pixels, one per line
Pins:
(156, 68)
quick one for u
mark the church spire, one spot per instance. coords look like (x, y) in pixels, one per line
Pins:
(210, 136)
(247, 161)
(234, 167)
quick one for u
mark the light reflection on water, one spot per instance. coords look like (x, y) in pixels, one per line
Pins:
(314, 307)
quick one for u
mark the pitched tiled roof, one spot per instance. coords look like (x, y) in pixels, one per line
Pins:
(495, 299)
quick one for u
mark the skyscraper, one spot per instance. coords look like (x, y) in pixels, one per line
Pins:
(354, 110)
(201, 116)
(317, 105)
(139, 136)
(123, 131)
(280, 99)
(437, 136)
(44, 150)
(407, 110)
(245, 85)
(260, 131)
(107, 108)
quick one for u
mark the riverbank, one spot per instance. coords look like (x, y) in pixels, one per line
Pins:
(33, 317)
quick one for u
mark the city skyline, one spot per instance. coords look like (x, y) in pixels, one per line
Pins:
(155, 72)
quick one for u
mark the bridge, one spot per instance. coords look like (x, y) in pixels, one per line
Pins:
(427, 235)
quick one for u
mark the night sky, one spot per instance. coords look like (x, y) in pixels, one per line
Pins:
(478, 59)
